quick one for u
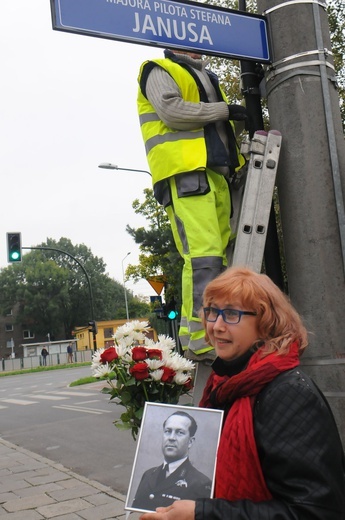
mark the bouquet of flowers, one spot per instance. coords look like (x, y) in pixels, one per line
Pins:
(138, 369)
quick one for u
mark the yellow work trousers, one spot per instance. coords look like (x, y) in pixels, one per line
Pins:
(200, 223)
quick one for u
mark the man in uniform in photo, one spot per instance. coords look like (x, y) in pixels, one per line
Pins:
(176, 478)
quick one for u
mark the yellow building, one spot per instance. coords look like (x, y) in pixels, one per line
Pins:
(104, 336)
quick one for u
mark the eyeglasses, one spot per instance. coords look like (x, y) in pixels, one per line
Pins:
(231, 316)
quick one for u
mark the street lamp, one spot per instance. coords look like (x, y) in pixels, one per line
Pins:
(124, 285)
(110, 166)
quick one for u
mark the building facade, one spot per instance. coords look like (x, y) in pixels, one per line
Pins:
(104, 336)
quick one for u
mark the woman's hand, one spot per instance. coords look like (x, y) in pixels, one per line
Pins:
(179, 510)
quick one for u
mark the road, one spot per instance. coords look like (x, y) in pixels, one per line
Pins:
(69, 425)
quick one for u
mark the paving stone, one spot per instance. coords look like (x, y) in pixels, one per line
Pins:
(100, 499)
(80, 491)
(69, 516)
(53, 476)
(33, 502)
(13, 485)
(37, 490)
(62, 508)
(70, 483)
(5, 497)
(103, 512)
(29, 515)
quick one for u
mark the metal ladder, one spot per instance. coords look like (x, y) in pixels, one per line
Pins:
(252, 196)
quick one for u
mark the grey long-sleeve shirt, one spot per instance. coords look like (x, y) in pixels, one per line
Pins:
(165, 96)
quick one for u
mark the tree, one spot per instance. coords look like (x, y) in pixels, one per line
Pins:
(336, 17)
(53, 293)
(159, 254)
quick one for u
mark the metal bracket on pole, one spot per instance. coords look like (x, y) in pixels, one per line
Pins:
(294, 2)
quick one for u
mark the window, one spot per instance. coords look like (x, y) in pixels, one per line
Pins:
(9, 312)
(109, 333)
(27, 334)
(9, 327)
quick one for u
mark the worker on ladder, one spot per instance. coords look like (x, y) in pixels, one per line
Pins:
(188, 131)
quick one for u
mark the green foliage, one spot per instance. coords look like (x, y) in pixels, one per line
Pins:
(336, 18)
(47, 369)
(229, 70)
(159, 255)
(52, 293)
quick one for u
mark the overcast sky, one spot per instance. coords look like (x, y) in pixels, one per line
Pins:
(67, 104)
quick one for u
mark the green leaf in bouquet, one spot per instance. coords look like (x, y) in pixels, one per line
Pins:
(123, 426)
(153, 390)
(126, 397)
(130, 382)
(125, 417)
(119, 384)
(106, 390)
(139, 413)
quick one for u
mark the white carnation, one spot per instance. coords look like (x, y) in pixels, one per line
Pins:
(96, 358)
(154, 364)
(177, 362)
(122, 348)
(180, 378)
(102, 371)
(156, 375)
(165, 342)
(134, 329)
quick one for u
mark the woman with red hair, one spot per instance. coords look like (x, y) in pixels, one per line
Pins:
(280, 455)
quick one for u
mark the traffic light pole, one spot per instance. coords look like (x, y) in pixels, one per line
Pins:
(86, 276)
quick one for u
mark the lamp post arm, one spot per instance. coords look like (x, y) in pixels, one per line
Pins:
(132, 170)
(110, 166)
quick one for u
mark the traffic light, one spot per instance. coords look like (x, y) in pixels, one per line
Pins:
(14, 248)
(161, 313)
(171, 310)
(93, 326)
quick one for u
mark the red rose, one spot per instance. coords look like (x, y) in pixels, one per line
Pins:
(188, 384)
(154, 353)
(139, 353)
(140, 371)
(168, 375)
(109, 355)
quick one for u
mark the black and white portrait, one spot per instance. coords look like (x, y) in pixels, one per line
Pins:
(175, 457)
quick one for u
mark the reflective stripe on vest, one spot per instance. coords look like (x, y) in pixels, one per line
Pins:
(170, 152)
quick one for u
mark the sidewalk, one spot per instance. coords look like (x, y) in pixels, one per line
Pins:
(35, 488)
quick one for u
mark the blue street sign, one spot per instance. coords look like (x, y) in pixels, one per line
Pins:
(156, 299)
(187, 25)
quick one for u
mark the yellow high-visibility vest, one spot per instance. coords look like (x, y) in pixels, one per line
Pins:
(170, 152)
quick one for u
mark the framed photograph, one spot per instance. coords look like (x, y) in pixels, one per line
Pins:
(175, 457)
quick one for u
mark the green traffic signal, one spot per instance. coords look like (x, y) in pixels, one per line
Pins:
(172, 315)
(171, 310)
(14, 248)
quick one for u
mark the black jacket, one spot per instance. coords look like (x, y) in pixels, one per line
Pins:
(186, 482)
(301, 456)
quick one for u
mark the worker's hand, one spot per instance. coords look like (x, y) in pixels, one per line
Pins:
(179, 510)
(237, 113)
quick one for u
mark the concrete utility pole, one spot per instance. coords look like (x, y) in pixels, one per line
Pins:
(304, 106)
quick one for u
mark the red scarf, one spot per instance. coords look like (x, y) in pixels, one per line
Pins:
(238, 473)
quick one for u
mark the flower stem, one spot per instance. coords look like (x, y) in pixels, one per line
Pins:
(145, 390)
